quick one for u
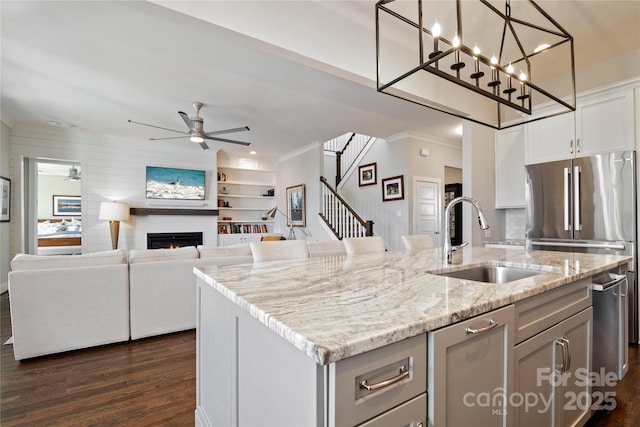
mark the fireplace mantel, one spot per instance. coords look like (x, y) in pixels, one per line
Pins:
(165, 211)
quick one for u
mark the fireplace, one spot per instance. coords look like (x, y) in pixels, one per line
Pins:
(173, 240)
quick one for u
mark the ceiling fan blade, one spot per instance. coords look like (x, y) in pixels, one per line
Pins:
(186, 119)
(171, 137)
(204, 145)
(158, 127)
(213, 138)
(219, 132)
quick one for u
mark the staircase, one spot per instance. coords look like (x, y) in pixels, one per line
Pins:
(337, 214)
(340, 217)
(346, 148)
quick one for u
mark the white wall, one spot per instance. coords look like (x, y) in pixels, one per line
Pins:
(302, 167)
(442, 154)
(5, 254)
(113, 168)
(391, 218)
(478, 173)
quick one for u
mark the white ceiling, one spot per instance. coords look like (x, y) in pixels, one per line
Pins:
(97, 64)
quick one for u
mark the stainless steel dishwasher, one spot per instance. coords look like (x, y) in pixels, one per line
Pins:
(610, 325)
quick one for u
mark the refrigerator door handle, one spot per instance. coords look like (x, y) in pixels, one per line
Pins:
(619, 247)
(567, 176)
(577, 222)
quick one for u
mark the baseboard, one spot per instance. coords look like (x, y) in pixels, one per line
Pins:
(4, 287)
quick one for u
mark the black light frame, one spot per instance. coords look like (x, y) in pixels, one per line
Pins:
(430, 64)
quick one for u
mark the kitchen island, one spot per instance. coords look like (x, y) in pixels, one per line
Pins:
(277, 341)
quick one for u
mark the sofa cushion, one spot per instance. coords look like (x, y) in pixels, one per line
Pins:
(241, 249)
(38, 262)
(153, 255)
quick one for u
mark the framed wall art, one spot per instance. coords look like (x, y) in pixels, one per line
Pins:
(367, 175)
(67, 206)
(175, 183)
(393, 188)
(5, 202)
(295, 206)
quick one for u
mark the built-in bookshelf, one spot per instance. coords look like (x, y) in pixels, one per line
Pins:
(245, 195)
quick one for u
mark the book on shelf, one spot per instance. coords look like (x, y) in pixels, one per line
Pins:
(238, 228)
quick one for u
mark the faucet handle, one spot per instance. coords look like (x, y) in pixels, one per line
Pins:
(457, 248)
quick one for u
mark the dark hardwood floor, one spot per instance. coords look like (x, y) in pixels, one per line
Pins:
(152, 382)
(149, 382)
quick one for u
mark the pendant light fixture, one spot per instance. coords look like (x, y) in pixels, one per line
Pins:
(496, 63)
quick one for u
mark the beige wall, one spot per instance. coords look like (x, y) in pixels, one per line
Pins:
(452, 175)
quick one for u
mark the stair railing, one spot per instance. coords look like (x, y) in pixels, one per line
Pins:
(340, 217)
(346, 154)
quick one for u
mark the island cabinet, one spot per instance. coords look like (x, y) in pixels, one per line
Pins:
(247, 375)
(553, 357)
(469, 371)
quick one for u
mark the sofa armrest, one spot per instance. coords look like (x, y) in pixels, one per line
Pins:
(61, 309)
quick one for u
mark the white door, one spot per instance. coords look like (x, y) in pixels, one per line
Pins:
(427, 207)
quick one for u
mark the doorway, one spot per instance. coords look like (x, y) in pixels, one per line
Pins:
(53, 211)
(453, 189)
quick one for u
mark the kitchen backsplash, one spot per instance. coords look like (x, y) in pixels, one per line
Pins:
(514, 224)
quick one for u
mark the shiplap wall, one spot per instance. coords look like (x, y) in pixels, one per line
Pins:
(113, 168)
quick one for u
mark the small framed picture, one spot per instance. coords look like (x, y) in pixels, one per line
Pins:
(295, 206)
(5, 202)
(67, 206)
(393, 188)
(367, 175)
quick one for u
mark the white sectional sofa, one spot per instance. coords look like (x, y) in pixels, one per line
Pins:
(163, 287)
(68, 302)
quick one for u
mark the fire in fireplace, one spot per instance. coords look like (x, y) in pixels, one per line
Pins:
(173, 240)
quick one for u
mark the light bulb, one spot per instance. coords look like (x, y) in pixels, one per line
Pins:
(456, 41)
(476, 50)
(541, 47)
(523, 76)
(196, 138)
(510, 69)
(494, 60)
(435, 30)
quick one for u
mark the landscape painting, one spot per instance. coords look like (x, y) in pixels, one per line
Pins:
(175, 184)
(67, 206)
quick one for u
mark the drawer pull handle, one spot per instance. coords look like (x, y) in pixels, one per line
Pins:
(492, 324)
(404, 373)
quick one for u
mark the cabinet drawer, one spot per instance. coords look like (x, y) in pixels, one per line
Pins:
(381, 369)
(410, 414)
(540, 312)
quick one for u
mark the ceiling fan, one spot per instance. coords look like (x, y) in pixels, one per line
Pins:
(196, 131)
(55, 170)
(74, 175)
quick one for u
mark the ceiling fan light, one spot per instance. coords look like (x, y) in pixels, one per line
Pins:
(197, 139)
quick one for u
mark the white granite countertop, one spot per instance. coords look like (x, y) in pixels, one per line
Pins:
(336, 307)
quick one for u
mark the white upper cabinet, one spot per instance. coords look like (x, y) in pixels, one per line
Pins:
(606, 123)
(510, 147)
(551, 139)
(602, 122)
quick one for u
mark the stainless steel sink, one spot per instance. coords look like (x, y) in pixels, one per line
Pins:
(491, 274)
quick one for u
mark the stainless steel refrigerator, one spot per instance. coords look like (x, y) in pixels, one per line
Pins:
(586, 205)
